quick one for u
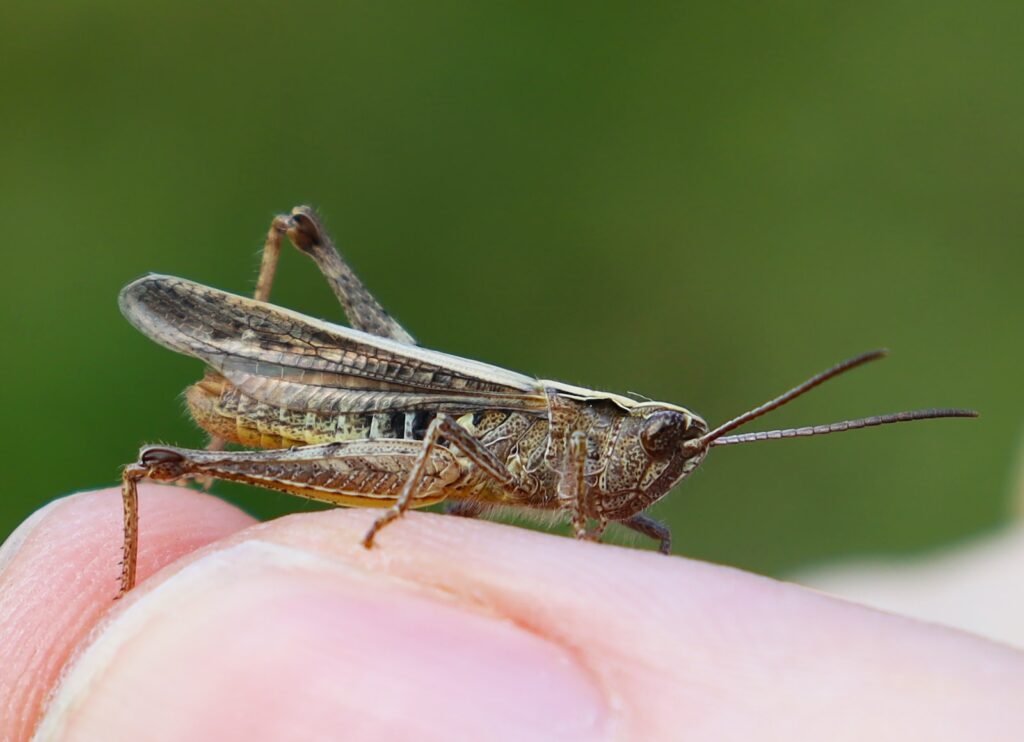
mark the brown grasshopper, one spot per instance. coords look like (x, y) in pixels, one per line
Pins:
(364, 416)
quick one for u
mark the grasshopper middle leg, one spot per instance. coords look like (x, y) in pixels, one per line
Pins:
(459, 438)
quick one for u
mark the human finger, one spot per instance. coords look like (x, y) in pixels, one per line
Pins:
(59, 575)
(451, 628)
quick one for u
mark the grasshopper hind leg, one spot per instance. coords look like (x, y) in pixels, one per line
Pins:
(304, 228)
(306, 231)
(159, 464)
(368, 473)
(130, 502)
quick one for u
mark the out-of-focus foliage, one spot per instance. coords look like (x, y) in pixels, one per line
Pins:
(702, 204)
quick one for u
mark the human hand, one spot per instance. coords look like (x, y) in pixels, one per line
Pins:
(450, 629)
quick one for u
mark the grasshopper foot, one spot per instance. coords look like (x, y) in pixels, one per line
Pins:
(382, 520)
(591, 534)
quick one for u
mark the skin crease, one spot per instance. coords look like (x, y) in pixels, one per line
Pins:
(449, 629)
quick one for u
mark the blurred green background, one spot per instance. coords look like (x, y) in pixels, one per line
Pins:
(702, 204)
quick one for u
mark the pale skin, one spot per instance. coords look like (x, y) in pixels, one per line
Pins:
(452, 629)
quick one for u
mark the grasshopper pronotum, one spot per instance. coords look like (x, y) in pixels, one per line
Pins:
(364, 416)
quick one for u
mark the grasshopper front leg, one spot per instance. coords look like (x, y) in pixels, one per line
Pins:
(648, 526)
(573, 483)
(573, 488)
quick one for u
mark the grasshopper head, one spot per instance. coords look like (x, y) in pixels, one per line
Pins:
(651, 453)
(675, 441)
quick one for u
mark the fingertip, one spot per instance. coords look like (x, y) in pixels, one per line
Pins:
(673, 637)
(293, 628)
(58, 577)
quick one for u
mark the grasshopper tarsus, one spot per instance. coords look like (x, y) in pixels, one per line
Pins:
(648, 526)
(594, 533)
(389, 515)
(363, 416)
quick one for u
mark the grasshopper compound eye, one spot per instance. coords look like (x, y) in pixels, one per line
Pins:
(663, 431)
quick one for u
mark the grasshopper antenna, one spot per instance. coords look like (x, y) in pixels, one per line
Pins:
(718, 437)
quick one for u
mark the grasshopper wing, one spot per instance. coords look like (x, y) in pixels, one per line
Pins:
(275, 354)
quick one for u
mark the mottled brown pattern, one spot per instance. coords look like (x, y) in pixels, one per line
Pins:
(278, 380)
(243, 336)
(365, 417)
